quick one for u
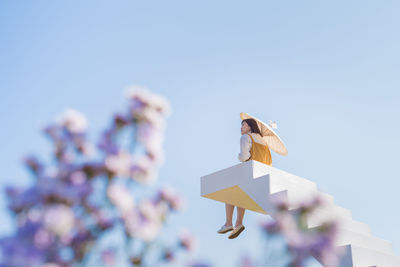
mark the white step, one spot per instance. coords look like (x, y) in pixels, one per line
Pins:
(346, 237)
(342, 215)
(256, 185)
(355, 256)
(326, 197)
(344, 222)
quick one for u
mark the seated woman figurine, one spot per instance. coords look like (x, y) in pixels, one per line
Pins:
(252, 147)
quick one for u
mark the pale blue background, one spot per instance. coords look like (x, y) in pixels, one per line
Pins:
(327, 72)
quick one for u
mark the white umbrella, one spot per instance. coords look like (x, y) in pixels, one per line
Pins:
(272, 139)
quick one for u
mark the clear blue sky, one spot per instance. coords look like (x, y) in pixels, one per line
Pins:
(327, 72)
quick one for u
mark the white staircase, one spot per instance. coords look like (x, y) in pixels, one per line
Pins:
(253, 185)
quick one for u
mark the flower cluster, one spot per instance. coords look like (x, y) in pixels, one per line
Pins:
(303, 242)
(147, 112)
(76, 202)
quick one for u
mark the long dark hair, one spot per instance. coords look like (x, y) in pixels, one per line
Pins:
(253, 126)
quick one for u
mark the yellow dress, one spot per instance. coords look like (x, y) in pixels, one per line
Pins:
(260, 152)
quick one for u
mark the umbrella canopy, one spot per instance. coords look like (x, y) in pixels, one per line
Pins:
(269, 136)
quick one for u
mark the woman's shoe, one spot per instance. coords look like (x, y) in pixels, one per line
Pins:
(236, 232)
(224, 229)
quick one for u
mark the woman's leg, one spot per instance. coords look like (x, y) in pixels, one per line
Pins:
(240, 214)
(229, 213)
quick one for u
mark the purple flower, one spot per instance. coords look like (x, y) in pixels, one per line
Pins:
(108, 257)
(187, 240)
(119, 164)
(246, 262)
(33, 164)
(120, 120)
(146, 222)
(142, 98)
(43, 239)
(58, 218)
(73, 120)
(174, 200)
(121, 198)
(271, 227)
(143, 170)
(107, 144)
(303, 243)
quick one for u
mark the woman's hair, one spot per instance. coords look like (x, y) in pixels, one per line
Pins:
(253, 126)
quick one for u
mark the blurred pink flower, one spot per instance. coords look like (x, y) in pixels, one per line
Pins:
(59, 219)
(119, 164)
(63, 215)
(34, 165)
(146, 222)
(152, 139)
(143, 170)
(187, 240)
(246, 262)
(174, 200)
(302, 242)
(142, 228)
(51, 264)
(120, 120)
(73, 120)
(78, 177)
(121, 198)
(169, 255)
(106, 143)
(141, 97)
(108, 257)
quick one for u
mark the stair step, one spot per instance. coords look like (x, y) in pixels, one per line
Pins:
(326, 197)
(345, 222)
(346, 237)
(356, 226)
(356, 256)
(281, 180)
(341, 215)
(262, 184)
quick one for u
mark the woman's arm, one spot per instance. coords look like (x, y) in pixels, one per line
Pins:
(245, 146)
